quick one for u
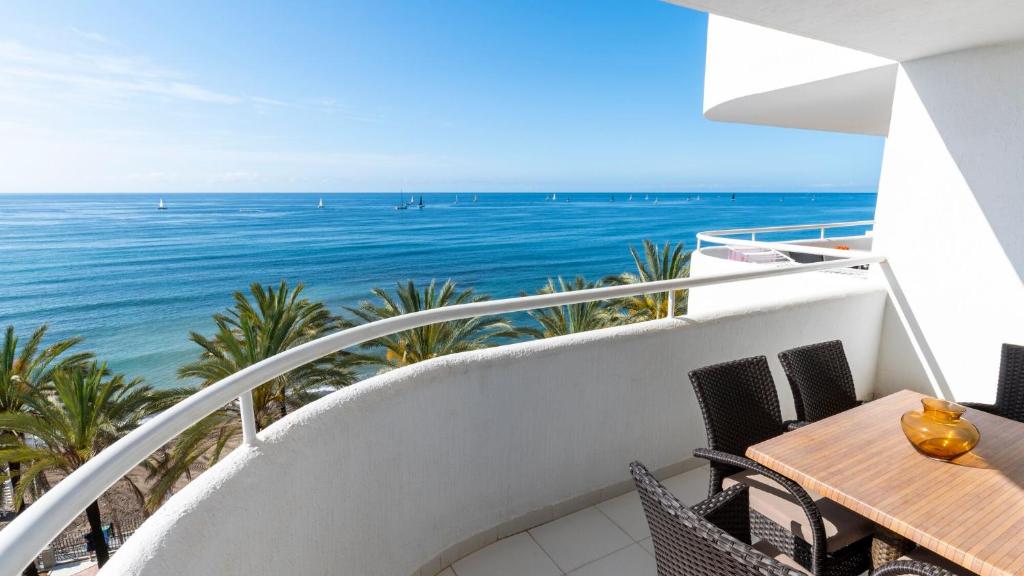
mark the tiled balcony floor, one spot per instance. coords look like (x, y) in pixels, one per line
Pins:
(609, 539)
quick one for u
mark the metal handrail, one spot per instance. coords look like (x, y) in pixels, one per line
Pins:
(719, 237)
(23, 539)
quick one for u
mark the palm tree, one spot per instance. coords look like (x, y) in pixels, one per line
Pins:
(573, 318)
(668, 263)
(254, 329)
(25, 373)
(85, 410)
(418, 344)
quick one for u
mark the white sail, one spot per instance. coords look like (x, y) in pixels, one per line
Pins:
(320, 204)
(161, 205)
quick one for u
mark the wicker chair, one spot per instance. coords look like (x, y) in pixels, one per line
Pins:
(692, 542)
(820, 378)
(1010, 391)
(740, 407)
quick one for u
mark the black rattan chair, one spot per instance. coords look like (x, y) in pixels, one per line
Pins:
(820, 378)
(740, 406)
(692, 542)
(1010, 390)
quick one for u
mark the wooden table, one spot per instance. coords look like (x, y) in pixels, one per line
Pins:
(970, 511)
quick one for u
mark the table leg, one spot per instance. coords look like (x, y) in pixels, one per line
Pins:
(887, 546)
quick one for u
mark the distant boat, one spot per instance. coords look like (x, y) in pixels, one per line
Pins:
(733, 199)
(630, 197)
(647, 196)
(474, 198)
(421, 202)
(320, 204)
(401, 202)
(655, 199)
(554, 197)
(161, 205)
(456, 199)
(412, 200)
(612, 199)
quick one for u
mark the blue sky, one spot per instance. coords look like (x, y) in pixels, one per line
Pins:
(376, 95)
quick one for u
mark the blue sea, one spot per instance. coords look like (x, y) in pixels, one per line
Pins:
(133, 281)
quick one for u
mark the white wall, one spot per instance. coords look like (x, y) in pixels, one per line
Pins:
(950, 207)
(383, 476)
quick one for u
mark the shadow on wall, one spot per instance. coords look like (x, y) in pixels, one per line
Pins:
(980, 117)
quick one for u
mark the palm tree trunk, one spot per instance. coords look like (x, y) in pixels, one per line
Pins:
(14, 470)
(96, 533)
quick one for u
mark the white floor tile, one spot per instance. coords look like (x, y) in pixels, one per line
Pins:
(631, 561)
(690, 487)
(516, 555)
(648, 545)
(579, 538)
(447, 572)
(628, 513)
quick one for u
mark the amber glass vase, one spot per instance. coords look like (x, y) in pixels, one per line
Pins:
(939, 431)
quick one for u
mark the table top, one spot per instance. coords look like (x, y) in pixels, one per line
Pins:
(970, 511)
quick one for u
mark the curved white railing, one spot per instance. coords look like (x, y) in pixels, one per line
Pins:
(722, 237)
(23, 539)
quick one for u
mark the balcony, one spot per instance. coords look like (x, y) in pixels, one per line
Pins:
(479, 460)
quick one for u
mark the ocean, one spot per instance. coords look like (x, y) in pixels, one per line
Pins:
(133, 280)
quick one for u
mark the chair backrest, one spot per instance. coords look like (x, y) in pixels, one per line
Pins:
(687, 544)
(820, 378)
(739, 403)
(1010, 394)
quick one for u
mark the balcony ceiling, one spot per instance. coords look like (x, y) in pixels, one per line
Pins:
(896, 29)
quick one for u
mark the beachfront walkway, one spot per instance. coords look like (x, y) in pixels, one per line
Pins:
(609, 539)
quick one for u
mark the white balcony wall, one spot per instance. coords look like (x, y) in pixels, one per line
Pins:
(385, 477)
(758, 75)
(734, 296)
(950, 205)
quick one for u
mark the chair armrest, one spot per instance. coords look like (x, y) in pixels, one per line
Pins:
(794, 424)
(819, 543)
(910, 567)
(990, 408)
(718, 501)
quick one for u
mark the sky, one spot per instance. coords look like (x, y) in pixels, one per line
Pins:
(381, 95)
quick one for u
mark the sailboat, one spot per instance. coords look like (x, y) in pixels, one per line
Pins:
(320, 204)
(474, 198)
(647, 197)
(456, 200)
(630, 197)
(401, 203)
(421, 202)
(412, 200)
(655, 199)
(161, 205)
(733, 199)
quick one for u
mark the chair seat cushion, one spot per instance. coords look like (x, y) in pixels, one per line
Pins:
(842, 526)
(768, 550)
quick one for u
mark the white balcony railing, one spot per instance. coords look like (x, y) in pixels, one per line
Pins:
(723, 237)
(23, 539)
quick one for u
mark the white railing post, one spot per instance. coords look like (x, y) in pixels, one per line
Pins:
(248, 418)
(753, 236)
(670, 312)
(822, 232)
